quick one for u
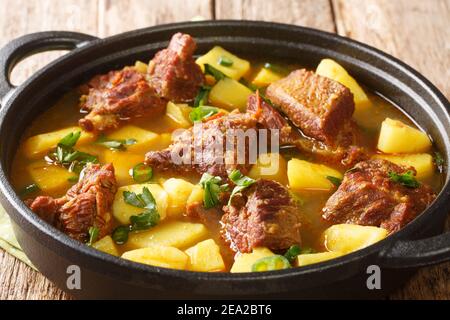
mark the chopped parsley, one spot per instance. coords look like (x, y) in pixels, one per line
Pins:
(406, 179)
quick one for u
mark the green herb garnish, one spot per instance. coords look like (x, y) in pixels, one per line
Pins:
(406, 179)
(217, 74)
(439, 161)
(202, 96)
(30, 189)
(202, 112)
(115, 144)
(336, 181)
(93, 235)
(224, 61)
(242, 182)
(142, 173)
(120, 234)
(213, 187)
(275, 262)
(292, 253)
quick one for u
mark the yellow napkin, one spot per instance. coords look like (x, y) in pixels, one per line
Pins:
(8, 241)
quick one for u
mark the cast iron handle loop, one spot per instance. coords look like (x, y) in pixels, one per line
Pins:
(18, 49)
(417, 253)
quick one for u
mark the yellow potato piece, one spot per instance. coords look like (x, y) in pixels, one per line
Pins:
(311, 258)
(205, 256)
(238, 69)
(265, 77)
(422, 162)
(141, 67)
(145, 140)
(397, 137)
(196, 195)
(331, 69)
(37, 146)
(179, 113)
(123, 162)
(123, 211)
(346, 238)
(107, 245)
(304, 175)
(230, 94)
(169, 233)
(50, 178)
(270, 166)
(244, 262)
(159, 256)
(178, 191)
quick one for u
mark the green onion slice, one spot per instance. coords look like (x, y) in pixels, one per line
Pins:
(271, 263)
(142, 173)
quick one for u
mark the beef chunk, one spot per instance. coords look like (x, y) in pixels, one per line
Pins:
(196, 149)
(367, 196)
(264, 215)
(317, 105)
(88, 203)
(173, 71)
(119, 96)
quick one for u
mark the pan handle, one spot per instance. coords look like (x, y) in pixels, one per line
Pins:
(18, 49)
(417, 253)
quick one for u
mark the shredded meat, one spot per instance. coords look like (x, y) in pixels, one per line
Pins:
(367, 196)
(88, 203)
(264, 215)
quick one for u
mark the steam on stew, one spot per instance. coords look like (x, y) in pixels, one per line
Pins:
(351, 168)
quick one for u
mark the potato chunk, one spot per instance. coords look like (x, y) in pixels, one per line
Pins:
(178, 191)
(176, 234)
(123, 162)
(230, 94)
(265, 77)
(346, 238)
(145, 140)
(397, 137)
(196, 195)
(304, 175)
(50, 178)
(244, 262)
(179, 113)
(270, 166)
(311, 258)
(123, 211)
(107, 245)
(159, 256)
(331, 69)
(422, 162)
(39, 145)
(205, 256)
(236, 70)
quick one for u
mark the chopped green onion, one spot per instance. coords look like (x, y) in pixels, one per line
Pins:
(142, 173)
(115, 144)
(202, 112)
(202, 96)
(224, 61)
(242, 182)
(275, 262)
(336, 181)
(70, 140)
(93, 235)
(292, 253)
(120, 234)
(213, 187)
(217, 74)
(30, 189)
(406, 179)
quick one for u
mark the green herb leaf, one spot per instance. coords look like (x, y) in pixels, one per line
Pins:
(30, 189)
(406, 179)
(292, 253)
(144, 200)
(213, 188)
(217, 74)
(275, 262)
(202, 112)
(336, 181)
(70, 140)
(225, 61)
(202, 96)
(142, 173)
(93, 235)
(242, 182)
(120, 234)
(115, 144)
(144, 220)
(439, 161)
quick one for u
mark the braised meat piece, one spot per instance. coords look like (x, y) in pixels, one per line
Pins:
(317, 105)
(119, 96)
(264, 215)
(88, 203)
(368, 196)
(173, 71)
(209, 147)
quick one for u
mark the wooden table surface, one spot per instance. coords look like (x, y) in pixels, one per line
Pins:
(416, 31)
